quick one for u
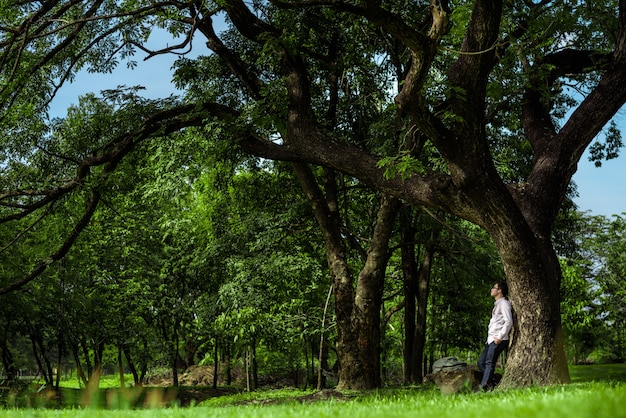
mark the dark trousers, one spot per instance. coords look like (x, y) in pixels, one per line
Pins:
(487, 361)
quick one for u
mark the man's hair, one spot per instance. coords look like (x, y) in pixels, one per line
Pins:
(504, 287)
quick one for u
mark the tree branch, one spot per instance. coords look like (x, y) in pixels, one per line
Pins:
(61, 252)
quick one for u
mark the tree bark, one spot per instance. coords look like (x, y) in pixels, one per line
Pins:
(423, 286)
(131, 365)
(537, 352)
(215, 363)
(357, 308)
(7, 361)
(79, 368)
(120, 365)
(38, 359)
(518, 219)
(360, 348)
(409, 273)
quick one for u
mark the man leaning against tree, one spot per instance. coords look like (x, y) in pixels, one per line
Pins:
(497, 335)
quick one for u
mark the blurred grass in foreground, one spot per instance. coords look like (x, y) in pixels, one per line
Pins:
(597, 391)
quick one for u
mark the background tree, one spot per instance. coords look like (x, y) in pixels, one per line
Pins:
(602, 247)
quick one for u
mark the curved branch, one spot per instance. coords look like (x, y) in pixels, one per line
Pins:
(157, 124)
(536, 117)
(236, 65)
(61, 251)
(373, 11)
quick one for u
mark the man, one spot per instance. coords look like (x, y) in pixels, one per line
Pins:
(498, 334)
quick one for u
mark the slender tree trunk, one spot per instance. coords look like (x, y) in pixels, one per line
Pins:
(307, 369)
(40, 365)
(228, 363)
(423, 286)
(255, 366)
(131, 366)
(409, 273)
(191, 347)
(94, 377)
(40, 353)
(48, 366)
(215, 363)
(88, 364)
(120, 366)
(7, 361)
(79, 368)
(247, 361)
(60, 352)
(175, 382)
(144, 372)
(323, 353)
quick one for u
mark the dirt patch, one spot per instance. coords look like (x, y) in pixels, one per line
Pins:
(319, 396)
(194, 395)
(323, 395)
(193, 376)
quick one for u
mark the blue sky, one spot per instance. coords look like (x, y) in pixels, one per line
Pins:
(602, 191)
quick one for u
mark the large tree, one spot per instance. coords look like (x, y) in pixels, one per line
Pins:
(482, 90)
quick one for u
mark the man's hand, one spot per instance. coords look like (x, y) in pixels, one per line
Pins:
(497, 340)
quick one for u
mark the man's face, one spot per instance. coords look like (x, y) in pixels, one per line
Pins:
(495, 290)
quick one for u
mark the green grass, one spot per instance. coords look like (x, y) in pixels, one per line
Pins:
(577, 400)
(597, 391)
(598, 372)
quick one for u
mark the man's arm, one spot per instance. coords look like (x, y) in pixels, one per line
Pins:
(507, 315)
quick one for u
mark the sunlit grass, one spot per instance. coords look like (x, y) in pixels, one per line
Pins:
(593, 399)
(597, 391)
(106, 381)
(598, 372)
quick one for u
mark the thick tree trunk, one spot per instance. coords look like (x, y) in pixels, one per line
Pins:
(360, 355)
(537, 352)
(357, 309)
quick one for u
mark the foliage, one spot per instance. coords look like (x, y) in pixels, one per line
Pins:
(583, 327)
(602, 248)
(468, 111)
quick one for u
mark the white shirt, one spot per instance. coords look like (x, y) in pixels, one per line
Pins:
(501, 321)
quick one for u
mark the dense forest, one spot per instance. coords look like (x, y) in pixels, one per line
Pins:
(330, 196)
(225, 268)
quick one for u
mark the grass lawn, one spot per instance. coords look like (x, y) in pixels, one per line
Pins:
(596, 391)
(598, 372)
